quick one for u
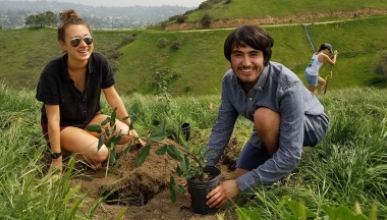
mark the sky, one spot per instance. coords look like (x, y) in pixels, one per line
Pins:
(125, 3)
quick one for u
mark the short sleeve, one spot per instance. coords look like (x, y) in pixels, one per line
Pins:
(47, 88)
(107, 74)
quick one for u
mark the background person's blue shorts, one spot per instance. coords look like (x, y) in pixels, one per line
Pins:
(315, 129)
(311, 79)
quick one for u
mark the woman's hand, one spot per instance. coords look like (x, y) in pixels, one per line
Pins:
(133, 133)
(56, 164)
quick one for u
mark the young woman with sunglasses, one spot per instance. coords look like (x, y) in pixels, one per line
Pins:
(70, 88)
(318, 59)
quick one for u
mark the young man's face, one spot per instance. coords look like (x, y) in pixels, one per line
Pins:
(247, 64)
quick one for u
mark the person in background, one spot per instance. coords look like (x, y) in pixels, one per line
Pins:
(70, 89)
(285, 114)
(318, 59)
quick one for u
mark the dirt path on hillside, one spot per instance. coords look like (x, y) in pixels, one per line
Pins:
(269, 21)
(143, 190)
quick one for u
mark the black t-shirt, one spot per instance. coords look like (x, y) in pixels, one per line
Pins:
(77, 108)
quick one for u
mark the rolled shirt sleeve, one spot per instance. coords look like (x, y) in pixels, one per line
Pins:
(222, 130)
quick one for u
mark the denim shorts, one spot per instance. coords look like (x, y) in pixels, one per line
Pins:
(311, 79)
(315, 129)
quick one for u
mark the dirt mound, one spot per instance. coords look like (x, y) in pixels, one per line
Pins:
(138, 185)
(143, 190)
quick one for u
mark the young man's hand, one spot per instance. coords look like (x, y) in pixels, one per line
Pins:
(226, 190)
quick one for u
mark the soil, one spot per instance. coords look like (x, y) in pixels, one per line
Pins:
(143, 190)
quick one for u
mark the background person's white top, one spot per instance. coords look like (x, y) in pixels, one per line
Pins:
(314, 65)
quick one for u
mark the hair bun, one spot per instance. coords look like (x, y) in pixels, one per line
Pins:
(67, 15)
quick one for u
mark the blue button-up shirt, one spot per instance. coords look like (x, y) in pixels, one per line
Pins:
(280, 90)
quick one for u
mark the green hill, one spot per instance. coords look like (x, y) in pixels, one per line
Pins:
(238, 12)
(198, 65)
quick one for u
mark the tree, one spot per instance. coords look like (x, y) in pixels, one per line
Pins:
(30, 20)
(51, 18)
(206, 20)
(47, 18)
(380, 67)
(181, 18)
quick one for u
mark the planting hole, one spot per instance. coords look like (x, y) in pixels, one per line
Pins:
(135, 198)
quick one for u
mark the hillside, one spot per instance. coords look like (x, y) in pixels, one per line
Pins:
(197, 65)
(226, 13)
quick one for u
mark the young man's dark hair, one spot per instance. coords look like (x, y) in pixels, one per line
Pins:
(253, 36)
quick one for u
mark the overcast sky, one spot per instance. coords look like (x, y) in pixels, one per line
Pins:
(123, 3)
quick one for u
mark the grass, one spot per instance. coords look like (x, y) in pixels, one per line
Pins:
(348, 167)
(200, 62)
(279, 9)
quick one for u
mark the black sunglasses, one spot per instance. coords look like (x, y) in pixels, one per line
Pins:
(75, 41)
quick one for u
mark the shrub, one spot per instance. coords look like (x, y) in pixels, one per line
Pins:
(163, 25)
(228, 2)
(163, 42)
(381, 66)
(204, 5)
(176, 45)
(172, 18)
(188, 12)
(181, 18)
(126, 39)
(208, 3)
(206, 20)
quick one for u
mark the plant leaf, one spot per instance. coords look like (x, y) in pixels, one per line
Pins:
(184, 163)
(143, 155)
(174, 152)
(107, 132)
(117, 138)
(179, 172)
(161, 150)
(172, 189)
(113, 130)
(181, 189)
(163, 126)
(112, 156)
(94, 128)
(113, 117)
(247, 214)
(101, 140)
(156, 137)
(105, 121)
(109, 142)
(299, 210)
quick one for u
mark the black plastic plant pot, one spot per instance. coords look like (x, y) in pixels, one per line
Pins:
(186, 129)
(199, 190)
